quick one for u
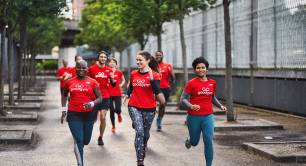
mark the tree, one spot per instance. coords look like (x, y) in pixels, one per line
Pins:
(181, 8)
(228, 56)
(102, 26)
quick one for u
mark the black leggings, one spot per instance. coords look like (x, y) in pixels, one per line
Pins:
(115, 107)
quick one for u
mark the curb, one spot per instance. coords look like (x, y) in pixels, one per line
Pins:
(252, 147)
(33, 117)
(26, 137)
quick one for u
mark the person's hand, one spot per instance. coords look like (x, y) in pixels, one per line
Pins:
(126, 99)
(195, 107)
(64, 114)
(89, 104)
(223, 108)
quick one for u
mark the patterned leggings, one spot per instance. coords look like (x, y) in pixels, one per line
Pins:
(142, 122)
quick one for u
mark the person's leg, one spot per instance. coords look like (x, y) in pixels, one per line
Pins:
(118, 107)
(148, 118)
(137, 120)
(194, 128)
(76, 128)
(207, 126)
(102, 127)
(88, 126)
(161, 109)
(102, 114)
(112, 111)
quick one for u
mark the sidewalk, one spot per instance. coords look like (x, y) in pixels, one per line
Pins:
(55, 144)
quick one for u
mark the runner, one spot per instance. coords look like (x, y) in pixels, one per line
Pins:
(105, 76)
(115, 94)
(167, 76)
(143, 87)
(72, 72)
(198, 96)
(61, 74)
(84, 94)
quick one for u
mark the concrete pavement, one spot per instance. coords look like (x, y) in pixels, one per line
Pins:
(55, 145)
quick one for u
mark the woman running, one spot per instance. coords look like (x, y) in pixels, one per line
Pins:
(115, 94)
(84, 94)
(143, 88)
(198, 97)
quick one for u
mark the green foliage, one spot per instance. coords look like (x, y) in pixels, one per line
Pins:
(102, 26)
(47, 65)
(178, 92)
(44, 33)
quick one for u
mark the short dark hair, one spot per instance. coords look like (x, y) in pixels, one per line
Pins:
(76, 57)
(102, 52)
(159, 52)
(199, 60)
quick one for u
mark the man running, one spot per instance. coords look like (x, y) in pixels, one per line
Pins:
(61, 74)
(105, 77)
(167, 77)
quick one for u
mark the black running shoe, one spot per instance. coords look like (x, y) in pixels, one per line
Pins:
(187, 144)
(140, 163)
(100, 141)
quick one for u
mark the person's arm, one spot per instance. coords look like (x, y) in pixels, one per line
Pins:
(155, 84)
(217, 103)
(98, 99)
(172, 76)
(112, 78)
(130, 89)
(184, 101)
(64, 98)
(122, 81)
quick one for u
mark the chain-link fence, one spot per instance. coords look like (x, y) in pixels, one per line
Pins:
(268, 50)
(272, 31)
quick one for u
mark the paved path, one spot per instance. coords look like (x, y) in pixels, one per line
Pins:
(55, 146)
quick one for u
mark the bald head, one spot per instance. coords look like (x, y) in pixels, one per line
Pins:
(81, 63)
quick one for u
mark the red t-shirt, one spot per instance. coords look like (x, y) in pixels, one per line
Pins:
(102, 75)
(165, 70)
(201, 93)
(142, 95)
(81, 91)
(61, 72)
(116, 91)
(72, 71)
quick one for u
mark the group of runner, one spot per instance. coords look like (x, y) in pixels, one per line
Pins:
(94, 90)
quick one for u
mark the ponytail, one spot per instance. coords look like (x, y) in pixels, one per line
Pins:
(153, 64)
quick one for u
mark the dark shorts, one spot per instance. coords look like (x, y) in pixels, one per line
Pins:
(103, 106)
(166, 92)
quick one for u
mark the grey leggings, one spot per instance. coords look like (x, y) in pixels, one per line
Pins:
(142, 122)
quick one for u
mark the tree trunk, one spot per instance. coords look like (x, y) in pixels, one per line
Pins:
(129, 62)
(228, 77)
(32, 61)
(2, 52)
(183, 46)
(159, 37)
(21, 59)
(10, 68)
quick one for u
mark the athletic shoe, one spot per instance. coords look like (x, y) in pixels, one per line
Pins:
(158, 124)
(140, 163)
(113, 129)
(100, 141)
(119, 118)
(187, 143)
